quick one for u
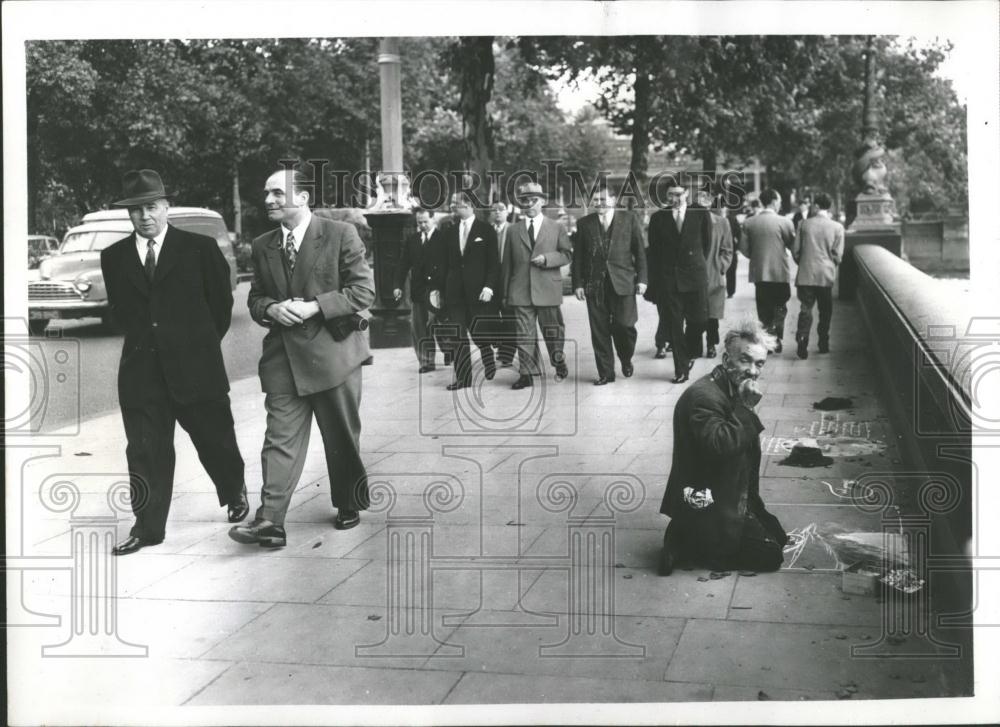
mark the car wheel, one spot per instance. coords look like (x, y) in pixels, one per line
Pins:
(37, 327)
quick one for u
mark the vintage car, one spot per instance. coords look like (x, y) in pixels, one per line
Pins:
(70, 284)
(39, 248)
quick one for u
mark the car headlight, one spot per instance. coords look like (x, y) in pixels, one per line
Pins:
(44, 270)
(82, 285)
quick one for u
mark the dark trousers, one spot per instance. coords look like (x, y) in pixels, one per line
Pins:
(712, 332)
(286, 442)
(468, 321)
(760, 548)
(550, 320)
(731, 275)
(149, 430)
(422, 321)
(662, 337)
(612, 322)
(772, 306)
(686, 312)
(822, 296)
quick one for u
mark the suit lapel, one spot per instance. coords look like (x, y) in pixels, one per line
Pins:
(168, 255)
(309, 251)
(276, 263)
(618, 231)
(541, 231)
(133, 268)
(522, 232)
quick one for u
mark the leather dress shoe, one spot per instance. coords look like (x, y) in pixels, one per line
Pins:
(777, 346)
(604, 380)
(346, 519)
(661, 352)
(680, 379)
(456, 385)
(803, 349)
(561, 372)
(627, 369)
(131, 544)
(239, 508)
(523, 382)
(710, 353)
(260, 531)
(425, 369)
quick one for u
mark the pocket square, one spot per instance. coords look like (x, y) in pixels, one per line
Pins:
(478, 239)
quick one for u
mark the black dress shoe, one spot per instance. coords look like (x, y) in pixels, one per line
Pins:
(710, 353)
(627, 369)
(131, 544)
(777, 346)
(680, 379)
(561, 372)
(523, 382)
(604, 380)
(456, 385)
(260, 531)
(239, 508)
(661, 352)
(346, 519)
(803, 349)
(425, 369)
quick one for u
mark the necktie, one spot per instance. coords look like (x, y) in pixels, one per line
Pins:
(423, 238)
(290, 251)
(463, 233)
(531, 231)
(678, 220)
(500, 242)
(150, 260)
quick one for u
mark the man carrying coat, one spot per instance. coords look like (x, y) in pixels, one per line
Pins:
(311, 289)
(532, 283)
(717, 517)
(169, 292)
(609, 268)
(818, 250)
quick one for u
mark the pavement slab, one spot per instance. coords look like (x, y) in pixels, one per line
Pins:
(475, 688)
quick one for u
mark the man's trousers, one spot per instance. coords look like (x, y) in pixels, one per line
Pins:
(550, 320)
(822, 296)
(422, 321)
(612, 321)
(772, 306)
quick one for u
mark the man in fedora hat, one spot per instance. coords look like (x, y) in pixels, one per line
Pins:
(532, 283)
(169, 291)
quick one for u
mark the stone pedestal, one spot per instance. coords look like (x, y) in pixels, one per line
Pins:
(390, 322)
(875, 224)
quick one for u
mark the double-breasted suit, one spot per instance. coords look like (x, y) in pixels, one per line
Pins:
(304, 370)
(535, 293)
(171, 368)
(462, 276)
(678, 277)
(607, 265)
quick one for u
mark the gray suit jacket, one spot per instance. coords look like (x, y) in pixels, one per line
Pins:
(818, 249)
(767, 238)
(626, 254)
(525, 284)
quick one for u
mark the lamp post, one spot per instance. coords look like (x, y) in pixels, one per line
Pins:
(390, 217)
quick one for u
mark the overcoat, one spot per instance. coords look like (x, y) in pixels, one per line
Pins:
(720, 255)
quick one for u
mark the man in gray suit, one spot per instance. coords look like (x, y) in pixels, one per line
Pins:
(818, 250)
(532, 284)
(609, 268)
(767, 238)
(311, 288)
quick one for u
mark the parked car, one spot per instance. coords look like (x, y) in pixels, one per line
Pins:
(70, 284)
(39, 248)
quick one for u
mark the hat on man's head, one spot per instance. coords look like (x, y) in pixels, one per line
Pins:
(141, 186)
(530, 189)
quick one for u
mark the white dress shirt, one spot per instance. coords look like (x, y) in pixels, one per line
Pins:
(142, 245)
(299, 231)
(607, 217)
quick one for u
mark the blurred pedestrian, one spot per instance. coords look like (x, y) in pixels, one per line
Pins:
(537, 248)
(311, 289)
(679, 241)
(169, 292)
(818, 250)
(506, 325)
(717, 517)
(609, 269)
(720, 253)
(419, 260)
(735, 230)
(767, 239)
(803, 212)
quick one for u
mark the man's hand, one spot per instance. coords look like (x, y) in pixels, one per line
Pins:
(304, 308)
(580, 294)
(397, 294)
(435, 298)
(486, 295)
(538, 261)
(640, 288)
(750, 393)
(283, 313)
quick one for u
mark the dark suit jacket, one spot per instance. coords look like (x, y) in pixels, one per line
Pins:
(678, 255)
(716, 446)
(626, 254)
(177, 324)
(330, 268)
(462, 277)
(423, 261)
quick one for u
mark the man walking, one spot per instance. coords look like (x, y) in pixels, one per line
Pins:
(505, 326)
(818, 250)
(767, 238)
(169, 292)
(717, 517)
(720, 254)
(536, 248)
(310, 284)
(467, 280)
(679, 242)
(609, 268)
(418, 259)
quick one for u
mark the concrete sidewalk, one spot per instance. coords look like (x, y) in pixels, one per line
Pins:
(227, 624)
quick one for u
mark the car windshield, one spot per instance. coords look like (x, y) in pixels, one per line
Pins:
(95, 240)
(209, 226)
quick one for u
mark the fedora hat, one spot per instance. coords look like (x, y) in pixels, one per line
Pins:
(530, 189)
(141, 186)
